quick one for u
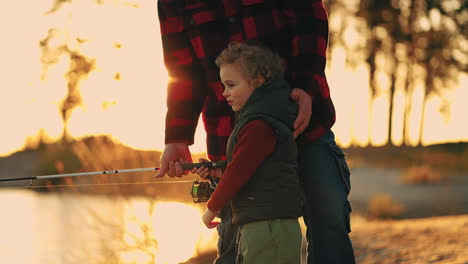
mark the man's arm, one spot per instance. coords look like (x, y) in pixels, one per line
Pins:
(256, 141)
(185, 94)
(308, 21)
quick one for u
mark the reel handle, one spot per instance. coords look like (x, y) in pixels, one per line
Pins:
(202, 190)
(211, 165)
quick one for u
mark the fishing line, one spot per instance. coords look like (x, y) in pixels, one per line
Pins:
(185, 166)
(201, 191)
(89, 184)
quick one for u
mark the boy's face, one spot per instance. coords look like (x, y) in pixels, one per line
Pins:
(237, 86)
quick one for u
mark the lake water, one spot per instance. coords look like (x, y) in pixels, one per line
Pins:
(60, 228)
(63, 228)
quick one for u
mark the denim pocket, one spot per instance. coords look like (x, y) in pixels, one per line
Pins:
(343, 166)
(345, 177)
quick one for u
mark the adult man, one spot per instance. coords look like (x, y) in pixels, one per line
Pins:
(193, 33)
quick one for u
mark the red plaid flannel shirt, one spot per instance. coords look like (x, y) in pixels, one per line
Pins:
(195, 31)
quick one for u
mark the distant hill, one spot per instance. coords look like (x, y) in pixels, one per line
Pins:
(95, 154)
(453, 156)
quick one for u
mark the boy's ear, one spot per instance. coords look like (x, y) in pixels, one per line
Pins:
(259, 81)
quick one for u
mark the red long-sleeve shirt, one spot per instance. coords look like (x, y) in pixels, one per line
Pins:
(195, 31)
(256, 141)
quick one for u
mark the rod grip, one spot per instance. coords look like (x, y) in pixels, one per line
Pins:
(18, 179)
(211, 165)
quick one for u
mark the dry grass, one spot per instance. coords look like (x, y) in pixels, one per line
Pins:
(102, 153)
(382, 206)
(421, 175)
(441, 240)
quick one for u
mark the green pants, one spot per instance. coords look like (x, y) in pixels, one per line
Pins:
(270, 242)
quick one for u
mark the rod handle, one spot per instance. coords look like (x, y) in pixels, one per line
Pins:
(18, 179)
(211, 165)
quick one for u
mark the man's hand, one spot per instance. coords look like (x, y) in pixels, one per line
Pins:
(305, 110)
(208, 218)
(173, 155)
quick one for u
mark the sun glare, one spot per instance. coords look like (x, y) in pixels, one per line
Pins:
(166, 233)
(350, 90)
(124, 96)
(12, 248)
(379, 126)
(398, 118)
(414, 120)
(451, 127)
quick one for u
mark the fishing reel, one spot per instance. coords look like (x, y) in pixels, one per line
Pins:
(201, 190)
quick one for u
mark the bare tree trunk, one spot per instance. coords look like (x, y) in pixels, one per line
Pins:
(421, 124)
(372, 83)
(392, 94)
(409, 77)
(429, 86)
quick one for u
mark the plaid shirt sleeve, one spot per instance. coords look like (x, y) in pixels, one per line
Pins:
(308, 21)
(185, 95)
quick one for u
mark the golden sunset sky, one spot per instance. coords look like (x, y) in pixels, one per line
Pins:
(125, 94)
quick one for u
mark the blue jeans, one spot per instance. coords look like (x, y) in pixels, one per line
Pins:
(325, 178)
(227, 242)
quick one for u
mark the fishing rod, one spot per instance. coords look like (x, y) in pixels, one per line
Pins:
(201, 190)
(185, 166)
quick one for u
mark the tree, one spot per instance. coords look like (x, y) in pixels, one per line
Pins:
(410, 35)
(79, 65)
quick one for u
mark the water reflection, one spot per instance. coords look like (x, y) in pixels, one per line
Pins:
(66, 228)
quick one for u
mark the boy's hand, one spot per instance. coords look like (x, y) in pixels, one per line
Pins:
(208, 218)
(204, 172)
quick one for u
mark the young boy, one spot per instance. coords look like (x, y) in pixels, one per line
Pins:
(260, 182)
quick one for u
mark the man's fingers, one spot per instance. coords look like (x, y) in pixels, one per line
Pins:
(300, 123)
(163, 170)
(299, 119)
(303, 116)
(171, 172)
(304, 101)
(178, 170)
(300, 129)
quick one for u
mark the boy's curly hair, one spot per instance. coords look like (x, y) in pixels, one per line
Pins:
(255, 60)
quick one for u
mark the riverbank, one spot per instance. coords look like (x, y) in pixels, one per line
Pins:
(441, 240)
(433, 240)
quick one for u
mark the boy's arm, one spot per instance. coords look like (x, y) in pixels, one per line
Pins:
(256, 141)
